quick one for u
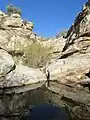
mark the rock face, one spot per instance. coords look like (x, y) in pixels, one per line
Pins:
(56, 44)
(23, 75)
(20, 89)
(6, 63)
(69, 73)
(70, 68)
(81, 26)
(14, 20)
(14, 32)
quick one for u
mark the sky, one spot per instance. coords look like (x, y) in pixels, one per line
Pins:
(48, 16)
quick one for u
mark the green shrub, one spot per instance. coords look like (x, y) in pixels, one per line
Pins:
(62, 34)
(36, 55)
(12, 9)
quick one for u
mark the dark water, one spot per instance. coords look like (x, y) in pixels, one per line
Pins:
(47, 112)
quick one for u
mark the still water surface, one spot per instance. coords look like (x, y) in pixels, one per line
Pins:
(47, 112)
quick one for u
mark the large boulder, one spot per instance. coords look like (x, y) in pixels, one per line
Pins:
(6, 63)
(23, 75)
(21, 88)
(70, 68)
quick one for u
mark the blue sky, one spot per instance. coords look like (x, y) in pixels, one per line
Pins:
(49, 16)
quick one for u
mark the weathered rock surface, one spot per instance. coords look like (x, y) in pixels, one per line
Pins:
(56, 44)
(69, 73)
(70, 68)
(81, 26)
(14, 21)
(6, 63)
(23, 75)
(14, 32)
(19, 89)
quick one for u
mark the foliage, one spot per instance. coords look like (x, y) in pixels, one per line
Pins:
(63, 34)
(12, 9)
(36, 55)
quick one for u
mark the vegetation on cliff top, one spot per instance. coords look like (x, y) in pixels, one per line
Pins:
(11, 9)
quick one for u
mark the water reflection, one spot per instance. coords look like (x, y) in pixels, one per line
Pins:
(47, 112)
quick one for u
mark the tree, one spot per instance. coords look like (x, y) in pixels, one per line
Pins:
(12, 9)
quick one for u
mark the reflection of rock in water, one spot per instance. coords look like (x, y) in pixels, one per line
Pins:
(47, 112)
(14, 105)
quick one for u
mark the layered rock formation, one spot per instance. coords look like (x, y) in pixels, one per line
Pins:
(70, 71)
(14, 32)
(20, 87)
(80, 27)
(56, 44)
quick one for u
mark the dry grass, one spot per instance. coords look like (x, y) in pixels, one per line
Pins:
(36, 55)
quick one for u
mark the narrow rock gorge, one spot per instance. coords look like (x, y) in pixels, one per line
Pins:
(63, 80)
